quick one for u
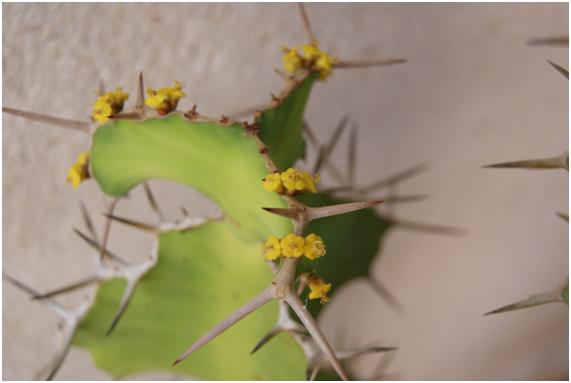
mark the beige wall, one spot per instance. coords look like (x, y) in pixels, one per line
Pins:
(472, 93)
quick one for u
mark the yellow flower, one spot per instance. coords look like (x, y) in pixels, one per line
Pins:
(293, 180)
(310, 182)
(296, 181)
(79, 171)
(319, 289)
(273, 183)
(314, 247)
(165, 100)
(318, 60)
(108, 105)
(292, 246)
(291, 60)
(311, 52)
(324, 65)
(272, 248)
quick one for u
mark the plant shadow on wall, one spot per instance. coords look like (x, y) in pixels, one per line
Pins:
(295, 245)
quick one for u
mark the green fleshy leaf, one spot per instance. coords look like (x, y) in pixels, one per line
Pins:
(281, 127)
(352, 242)
(200, 275)
(200, 278)
(221, 162)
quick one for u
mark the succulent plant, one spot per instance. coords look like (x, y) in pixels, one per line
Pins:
(249, 274)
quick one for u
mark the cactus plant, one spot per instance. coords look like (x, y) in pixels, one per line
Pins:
(202, 269)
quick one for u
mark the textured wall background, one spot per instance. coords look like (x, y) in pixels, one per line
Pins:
(472, 93)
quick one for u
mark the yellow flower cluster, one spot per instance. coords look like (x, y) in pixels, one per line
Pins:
(294, 246)
(290, 182)
(108, 105)
(318, 289)
(165, 100)
(79, 171)
(313, 59)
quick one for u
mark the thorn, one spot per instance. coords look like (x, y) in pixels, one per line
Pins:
(82, 126)
(328, 211)
(20, 285)
(88, 222)
(534, 300)
(107, 227)
(57, 362)
(560, 69)
(386, 295)
(140, 103)
(265, 339)
(563, 216)
(153, 201)
(51, 303)
(62, 290)
(559, 162)
(191, 114)
(306, 23)
(272, 333)
(292, 213)
(305, 317)
(311, 373)
(554, 40)
(233, 318)
(396, 178)
(325, 153)
(138, 225)
(368, 64)
(125, 299)
(93, 243)
(354, 353)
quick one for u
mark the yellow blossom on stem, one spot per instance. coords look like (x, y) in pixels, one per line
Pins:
(291, 60)
(79, 171)
(324, 65)
(292, 246)
(165, 100)
(296, 181)
(310, 182)
(273, 183)
(109, 104)
(314, 247)
(311, 52)
(272, 248)
(318, 289)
